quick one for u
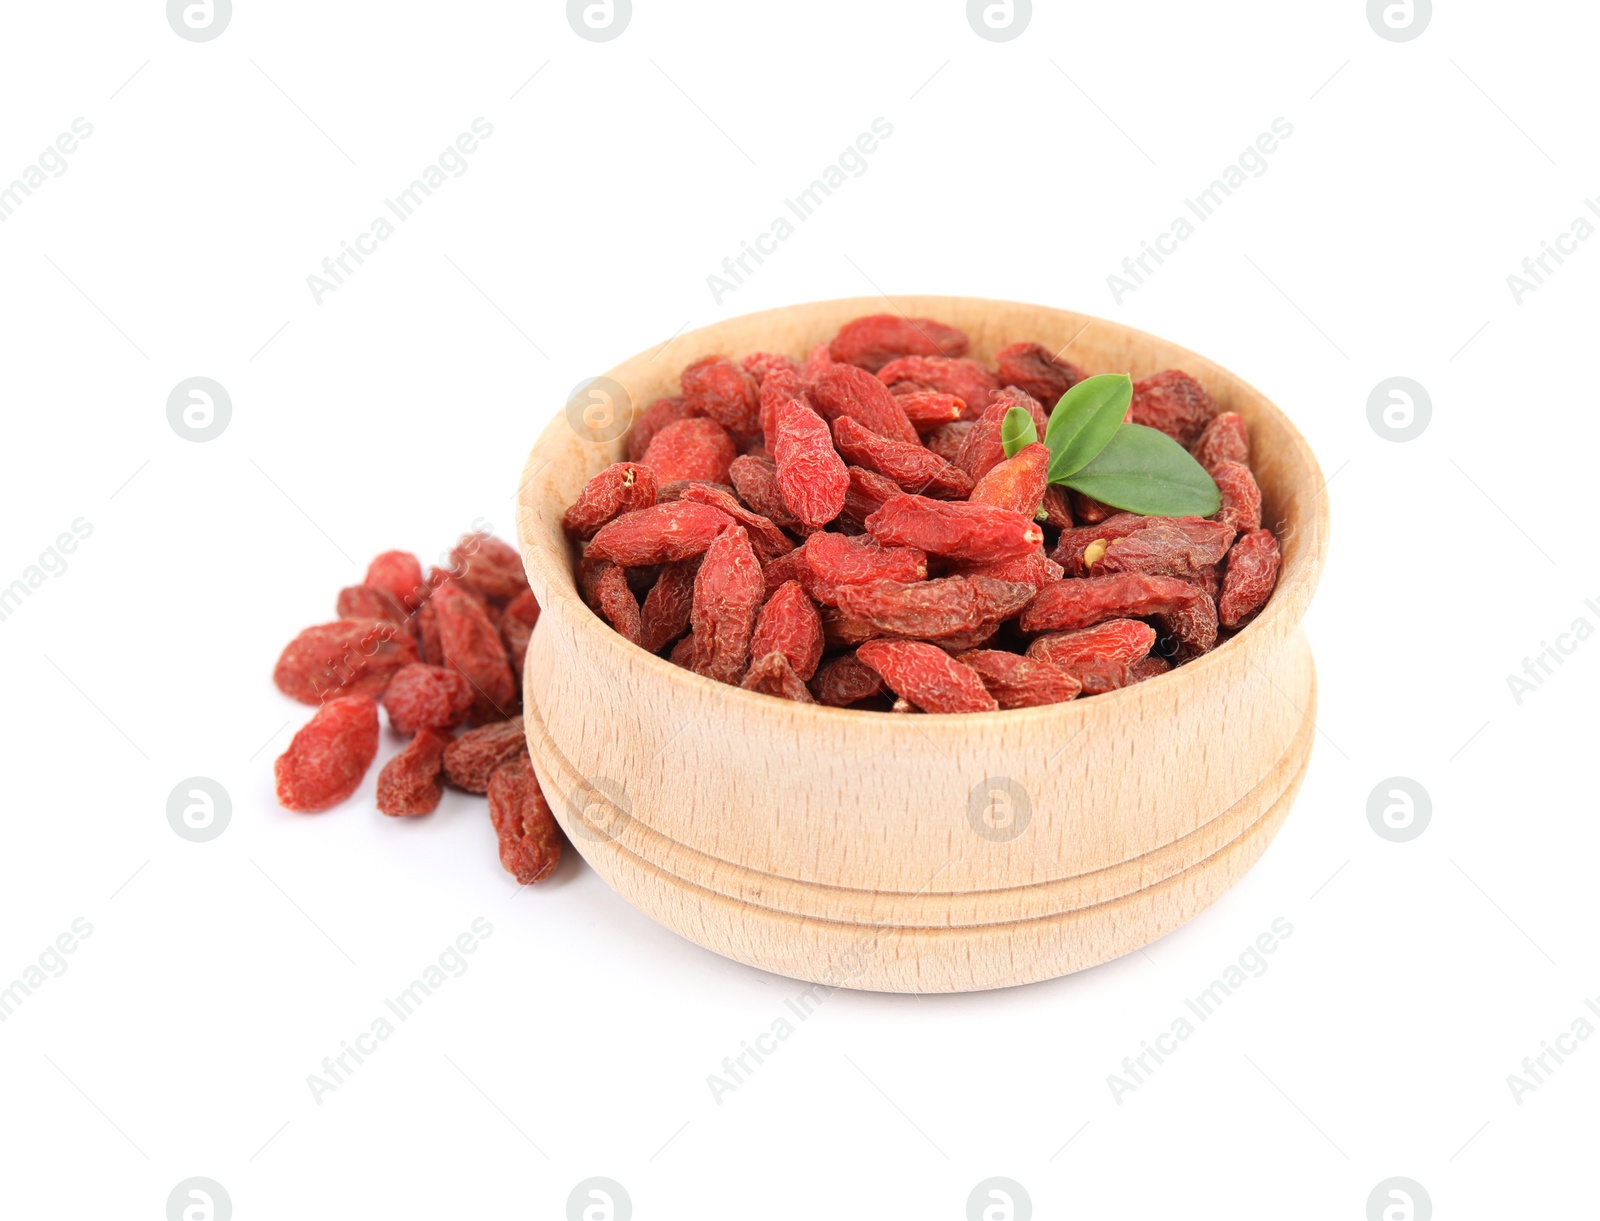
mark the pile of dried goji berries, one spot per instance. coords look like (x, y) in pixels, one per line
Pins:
(437, 652)
(848, 530)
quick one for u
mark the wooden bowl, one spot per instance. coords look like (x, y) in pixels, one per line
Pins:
(917, 853)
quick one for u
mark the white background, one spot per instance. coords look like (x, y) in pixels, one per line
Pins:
(177, 243)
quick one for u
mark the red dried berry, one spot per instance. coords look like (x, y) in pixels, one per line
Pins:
(775, 572)
(472, 648)
(516, 628)
(998, 600)
(977, 533)
(328, 757)
(779, 387)
(1072, 549)
(967, 380)
(428, 647)
(370, 602)
(927, 676)
(400, 574)
(488, 566)
(1173, 402)
(868, 493)
(716, 387)
(759, 364)
(1117, 640)
(1225, 440)
(1190, 628)
(1056, 507)
(817, 362)
(911, 466)
(412, 782)
(683, 653)
(470, 760)
(652, 420)
(844, 681)
(1252, 571)
(771, 674)
(665, 614)
(728, 592)
(873, 341)
(1089, 510)
(1021, 682)
(530, 839)
(947, 439)
(622, 487)
(810, 472)
(1033, 368)
(1034, 569)
(1081, 602)
(789, 624)
(1148, 667)
(1017, 483)
(661, 534)
(829, 561)
(920, 610)
(766, 539)
(616, 602)
(695, 448)
(1241, 497)
(928, 409)
(1173, 546)
(350, 657)
(845, 390)
(426, 697)
(756, 482)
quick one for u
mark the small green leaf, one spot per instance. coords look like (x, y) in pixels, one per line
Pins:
(1145, 471)
(1017, 431)
(1085, 420)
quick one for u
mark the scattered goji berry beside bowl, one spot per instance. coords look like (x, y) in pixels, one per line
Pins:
(893, 850)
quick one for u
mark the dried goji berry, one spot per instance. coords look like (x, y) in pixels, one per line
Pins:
(780, 386)
(728, 592)
(830, 561)
(1116, 640)
(1173, 402)
(1173, 546)
(621, 488)
(428, 646)
(775, 572)
(981, 449)
(756, 481)
(845, 390)
(1073, 548)
(1247, 582)
(810, 472)
(771, 674)
(947, 439)
(998, 600)
(919, 610)
(488, 566)
(842, 631)
(617, 603)
(759, 364)
(1190, 628)
(911, 466)
(977, 533)
(1035, 570)
(1088, 510)
(400, 573)
(471, 647)
(530, 840)
(1241, 497)
(1017, 483)
(370, 602)
(817, 362)
(1016, 681)
(1225, 440)
(422, 697)
(470, 760)
(350, 657)
(412, 782)
(516, 628)
(1031, 367)
(874, 340)
(665, 613)
(328, 757)
(1081, 602)
(1056, 507)
(927, 676)
(766, 539)
(661, 534)
(789, 624)
(928, 409)
(683, 653)
(716, 387)
(967, 380)
(695, 448)
(1148, 667)
(652, 420)
(846, 680)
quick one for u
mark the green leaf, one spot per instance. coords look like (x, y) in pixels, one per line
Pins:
(1084, 421)
(1017, 431)
(1145, 471)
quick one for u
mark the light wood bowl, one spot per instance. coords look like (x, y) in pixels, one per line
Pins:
(864, 849)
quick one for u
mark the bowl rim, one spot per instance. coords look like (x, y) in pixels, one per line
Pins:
(1272, 623)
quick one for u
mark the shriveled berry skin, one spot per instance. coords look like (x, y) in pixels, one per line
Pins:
(728, 593)
(1016, 681)
(998, 600)
(621, 488)
(328, 757)
(1225, 440)
(1035, 369)
(967, 380)
(471, 646)
(929, 409)
(1034, 569)
(488, 566)
(660, 534)
(1073, 544)
(1248, 581)
(683, 653)
(771, 674)
(1016, 483)
(766, 539)
(811, 475)
(615, 600)
(789, 624)
(845, 680)
(756, 482)
(1088, 510)
(665, 614)
(652, 420)
(516, 628)
(1057, 508)
(370, 602)
(785, 568)
(470, 760)
(919, 610)
(1080, 602)
(927, 676)
(1173, 546)
(428, 647)
(1122, 641)
(976, 533)
(869, 492)
(759, 364)
(845, 390)
(1148, 667)
(912, 466)
(695, 448)
(422, 697)
(718, 388)
(873, 341)
(411, 783)
(400, 573)
(817, 362)
(947, 439)
(530, 839)
(1241, 498)
(780, 386)
(982, 449)
(349, 657)
(831, 561)
(1175, 403)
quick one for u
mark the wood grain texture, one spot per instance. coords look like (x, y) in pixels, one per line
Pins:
(779, 834)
